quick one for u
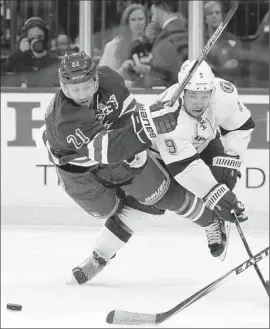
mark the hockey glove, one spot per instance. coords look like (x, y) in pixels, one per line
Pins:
(223, 201)
(150, 121)
(137, 162)
(226, 169)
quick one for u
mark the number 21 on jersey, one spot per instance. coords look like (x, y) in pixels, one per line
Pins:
(79, 139)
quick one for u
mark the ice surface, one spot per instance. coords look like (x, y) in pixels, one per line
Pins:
(156, 270)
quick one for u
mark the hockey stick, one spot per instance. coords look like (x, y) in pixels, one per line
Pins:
(205, 52)
(243, 238)
(131, 318)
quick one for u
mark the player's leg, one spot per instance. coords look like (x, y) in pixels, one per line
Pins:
(102, 203)
(228, 176)
(154, 186)
(189, 206)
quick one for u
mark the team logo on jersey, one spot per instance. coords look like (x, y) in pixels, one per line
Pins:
(198, 141)
(104, 110)
(227, 86)
(203, 124)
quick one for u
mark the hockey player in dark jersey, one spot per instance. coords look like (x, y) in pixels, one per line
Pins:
(97, 139)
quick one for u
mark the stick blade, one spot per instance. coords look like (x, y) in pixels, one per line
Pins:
(130, 318)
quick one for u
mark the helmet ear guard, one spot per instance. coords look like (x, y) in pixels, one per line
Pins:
(202, 79)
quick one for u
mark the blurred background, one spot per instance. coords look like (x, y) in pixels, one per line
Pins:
(130, 39)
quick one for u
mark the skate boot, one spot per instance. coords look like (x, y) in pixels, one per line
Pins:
(89, 268)
(217, 235)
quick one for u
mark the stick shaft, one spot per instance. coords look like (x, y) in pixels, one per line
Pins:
(131, 318)
(205, 52)
(243, 238)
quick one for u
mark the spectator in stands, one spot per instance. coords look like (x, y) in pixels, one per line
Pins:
(170, 46)
(5, 31)
(129, 51)
(223, 57)
(33, 55)
(62, 45)
(258, 56)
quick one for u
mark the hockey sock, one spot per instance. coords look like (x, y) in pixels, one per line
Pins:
(117, 230)
(195, 210)
(113, 236)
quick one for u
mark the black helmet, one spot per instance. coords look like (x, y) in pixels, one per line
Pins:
(77, 68)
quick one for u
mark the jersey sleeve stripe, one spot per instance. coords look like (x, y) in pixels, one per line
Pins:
(39, 137)
(98, 148)
(53, 158)
(129, 105)
(177, 167)
(249, 124)
(44, 137)
(104, 149)
(83, 163)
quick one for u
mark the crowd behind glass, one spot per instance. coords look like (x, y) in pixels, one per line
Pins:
(145, 41)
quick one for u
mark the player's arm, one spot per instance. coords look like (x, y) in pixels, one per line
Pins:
(92, 142)
(236, 127)
(88, 140)
(117, 145)
(141, 127)
(183, 161)
(185, 165)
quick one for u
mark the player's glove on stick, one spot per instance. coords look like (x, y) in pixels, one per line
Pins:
(226, 169)
(223, 201)
(150, 121)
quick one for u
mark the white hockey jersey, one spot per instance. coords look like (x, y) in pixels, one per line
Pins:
(180, 148)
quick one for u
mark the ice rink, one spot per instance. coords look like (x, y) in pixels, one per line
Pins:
(158, 268)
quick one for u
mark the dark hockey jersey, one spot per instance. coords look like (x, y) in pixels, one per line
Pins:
(85, 136)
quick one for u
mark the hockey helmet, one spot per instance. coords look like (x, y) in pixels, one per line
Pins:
(78, 77)
(202, 79)
(77, 68)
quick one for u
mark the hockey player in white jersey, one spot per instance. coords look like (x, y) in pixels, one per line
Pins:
(213, 130)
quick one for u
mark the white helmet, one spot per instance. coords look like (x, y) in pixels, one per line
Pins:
(202, 79)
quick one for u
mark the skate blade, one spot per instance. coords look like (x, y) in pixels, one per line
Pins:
(227, 231)
(72, 282)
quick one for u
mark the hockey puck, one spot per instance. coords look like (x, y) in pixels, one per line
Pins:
(14, 307)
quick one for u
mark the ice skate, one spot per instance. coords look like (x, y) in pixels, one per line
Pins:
(217, 235)
(89, 268)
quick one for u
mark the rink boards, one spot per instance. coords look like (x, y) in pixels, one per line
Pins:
(29, 182)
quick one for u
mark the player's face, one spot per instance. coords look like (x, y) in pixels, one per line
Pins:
(82, 93)
(196, 102)
(137, 22)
